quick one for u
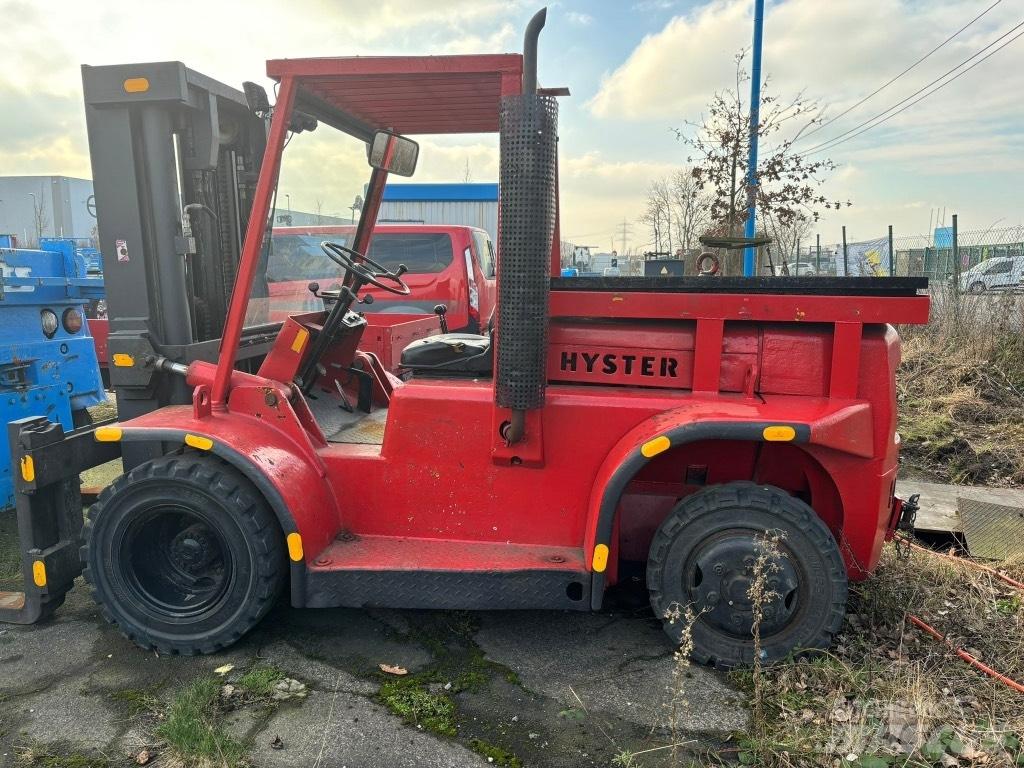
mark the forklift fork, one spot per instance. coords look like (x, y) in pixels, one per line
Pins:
(46, 465)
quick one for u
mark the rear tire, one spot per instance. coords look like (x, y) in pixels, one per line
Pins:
(702, 558)
(184, 554)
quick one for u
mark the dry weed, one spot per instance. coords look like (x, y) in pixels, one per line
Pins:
(890, 695)
(961, 390)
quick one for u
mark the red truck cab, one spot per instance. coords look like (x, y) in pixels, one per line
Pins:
(448, 264)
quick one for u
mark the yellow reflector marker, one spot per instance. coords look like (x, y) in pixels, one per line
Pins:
(600, 558)
(107, 434)
(300, 340)
(655, 446)
(28, 469)
(136, 85)
(779, 434)
(39, 573)
(198, 441)
(295, 547)
(121, 360)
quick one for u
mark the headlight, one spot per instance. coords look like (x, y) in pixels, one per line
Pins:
(49, 321)
(72, 320)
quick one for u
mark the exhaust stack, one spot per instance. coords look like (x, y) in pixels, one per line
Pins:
(529, 144)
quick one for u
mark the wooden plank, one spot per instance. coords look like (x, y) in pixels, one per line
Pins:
(939, 510)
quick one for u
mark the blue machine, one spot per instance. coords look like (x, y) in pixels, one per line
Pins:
(48, 363)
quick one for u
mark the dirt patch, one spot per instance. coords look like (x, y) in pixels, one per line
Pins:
(961, 391)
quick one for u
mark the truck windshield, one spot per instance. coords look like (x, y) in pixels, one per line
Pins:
(297, 256)
(295, 259)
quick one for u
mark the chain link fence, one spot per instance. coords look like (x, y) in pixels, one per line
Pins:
(975, 260)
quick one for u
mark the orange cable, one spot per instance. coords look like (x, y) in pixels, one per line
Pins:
(1008, 682)
(1002, 576)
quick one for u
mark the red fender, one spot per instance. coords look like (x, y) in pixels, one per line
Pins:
(845, 428)
(295, 487)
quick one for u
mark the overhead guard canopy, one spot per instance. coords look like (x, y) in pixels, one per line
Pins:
(406, 94)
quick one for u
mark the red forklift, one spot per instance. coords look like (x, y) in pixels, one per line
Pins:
(670, 421)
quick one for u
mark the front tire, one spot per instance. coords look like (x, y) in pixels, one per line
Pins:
(184, 555)
(702, 557)
(976, 287)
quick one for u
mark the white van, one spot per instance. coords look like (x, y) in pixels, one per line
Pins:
(998, 273)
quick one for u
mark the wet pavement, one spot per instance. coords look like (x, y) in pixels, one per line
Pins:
(525, 688)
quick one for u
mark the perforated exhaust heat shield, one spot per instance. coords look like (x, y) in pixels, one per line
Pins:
(529, 144)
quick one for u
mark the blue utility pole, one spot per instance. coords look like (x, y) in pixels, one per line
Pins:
(749, 256)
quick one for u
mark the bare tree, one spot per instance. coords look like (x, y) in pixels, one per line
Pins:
(658, 214)
(318, 206)
(467, 173)
(788, 182)
(692, 209)
(40, 219)
(786, 236)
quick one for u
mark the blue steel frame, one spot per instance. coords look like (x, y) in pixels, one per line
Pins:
(39, 375)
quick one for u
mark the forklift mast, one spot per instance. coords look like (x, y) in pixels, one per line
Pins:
(175, 158)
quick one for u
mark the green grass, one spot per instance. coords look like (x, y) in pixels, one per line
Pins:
(137, 701)
(192, 727)
(48, 760)
(261, 679)
(495, 754)
(410, 699)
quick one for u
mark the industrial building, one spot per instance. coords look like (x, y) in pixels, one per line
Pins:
(32, 207)
(469, 204)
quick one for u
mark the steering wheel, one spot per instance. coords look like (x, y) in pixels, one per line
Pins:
(366, 269)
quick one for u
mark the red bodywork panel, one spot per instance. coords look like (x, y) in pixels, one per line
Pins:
(411, 95)
(433, 477)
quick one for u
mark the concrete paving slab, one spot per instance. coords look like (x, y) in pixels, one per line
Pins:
(63, 714)
(69, 669)
(615, 664)
(315, 673)
(344, 730)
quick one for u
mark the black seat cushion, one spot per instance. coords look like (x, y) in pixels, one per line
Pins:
(450, 353)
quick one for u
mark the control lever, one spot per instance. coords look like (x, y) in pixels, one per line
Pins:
(441, 310)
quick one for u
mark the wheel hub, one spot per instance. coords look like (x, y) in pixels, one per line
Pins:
(718, 580)
(175, 562)
(194, 548)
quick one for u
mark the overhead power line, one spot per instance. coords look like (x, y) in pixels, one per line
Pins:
(835, 140)
(833, 144)
(901, 74)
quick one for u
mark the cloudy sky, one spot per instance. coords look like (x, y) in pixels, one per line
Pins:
(636, 68)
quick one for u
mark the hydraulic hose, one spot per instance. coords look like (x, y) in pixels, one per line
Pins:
(934, 633)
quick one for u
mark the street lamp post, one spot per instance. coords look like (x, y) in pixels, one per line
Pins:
(755, 122)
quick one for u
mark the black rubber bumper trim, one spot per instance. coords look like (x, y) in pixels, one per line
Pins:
(685, 433)
(450, 590)
(264, 486)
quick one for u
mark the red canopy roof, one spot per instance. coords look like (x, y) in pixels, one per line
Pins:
(407, 94)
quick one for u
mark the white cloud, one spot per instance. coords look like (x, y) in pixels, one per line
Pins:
(500, 39)
(838, 52)
(579, 19)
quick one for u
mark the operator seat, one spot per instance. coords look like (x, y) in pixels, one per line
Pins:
(451, 354)
(448, 354)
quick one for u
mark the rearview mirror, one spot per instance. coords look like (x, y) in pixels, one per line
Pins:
(402, 158)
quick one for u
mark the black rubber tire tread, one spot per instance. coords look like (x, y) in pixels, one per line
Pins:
(787, 514)
(240, 500)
